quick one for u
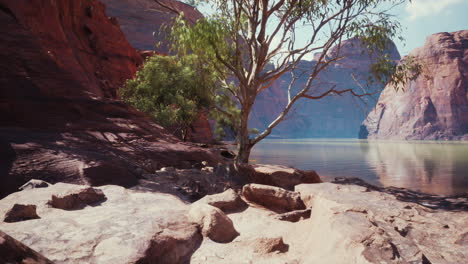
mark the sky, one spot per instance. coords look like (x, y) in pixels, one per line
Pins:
(422, 18)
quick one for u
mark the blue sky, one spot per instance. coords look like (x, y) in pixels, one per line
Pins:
(418, 19)
(422, 18)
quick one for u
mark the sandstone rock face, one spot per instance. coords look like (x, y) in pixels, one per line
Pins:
(68, 49)
(274, 198)
(382, 229)
(14, 252)
(348, 224)
(213, 223)
(435, 105)
(329, 117)
(130, 227)
(141, 20)
(62, 63)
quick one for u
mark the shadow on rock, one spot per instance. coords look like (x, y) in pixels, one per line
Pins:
(449, 203)
(7, 157)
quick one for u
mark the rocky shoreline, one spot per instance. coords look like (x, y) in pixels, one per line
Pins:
(156, 222)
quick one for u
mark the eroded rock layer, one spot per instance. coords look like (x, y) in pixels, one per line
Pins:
(435, 105)
(141, 20)
(62, 63)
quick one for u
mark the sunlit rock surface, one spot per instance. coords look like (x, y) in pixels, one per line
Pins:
(348, 224)
(435, 105)
(129, 227)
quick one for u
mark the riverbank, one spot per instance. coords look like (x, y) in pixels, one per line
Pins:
(248, 223)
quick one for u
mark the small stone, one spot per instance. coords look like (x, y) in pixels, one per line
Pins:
(78, 200)
(32, 184)
(267, 245)
(21, 212)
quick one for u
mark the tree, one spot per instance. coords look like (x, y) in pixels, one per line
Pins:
(243, 37)
(172, 90)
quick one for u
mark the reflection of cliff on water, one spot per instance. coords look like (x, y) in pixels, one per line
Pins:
(428, 167)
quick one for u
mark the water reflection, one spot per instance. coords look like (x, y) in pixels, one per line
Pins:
(439, 168)
(431, 168)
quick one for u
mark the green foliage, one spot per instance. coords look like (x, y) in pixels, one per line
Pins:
(241, 41)
(171, 90)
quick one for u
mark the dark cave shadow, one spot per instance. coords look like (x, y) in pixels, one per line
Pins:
(7, 158)
(437, 202)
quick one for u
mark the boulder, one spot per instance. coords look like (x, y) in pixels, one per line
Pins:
(274, 198)
(14, 252)
(227, 201)
(173, 244)
(34, 184)
(434, 105)
(130, 227)
(213, 223)
(267, 245)
(77, 199)
(294, 216)
(21, 212)
(381, 229)
(277, 175)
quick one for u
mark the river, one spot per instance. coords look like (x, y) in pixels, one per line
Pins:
(430, 167)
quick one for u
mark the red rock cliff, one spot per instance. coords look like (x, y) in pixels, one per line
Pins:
(141, 20)
(435, 105)
(61, 64)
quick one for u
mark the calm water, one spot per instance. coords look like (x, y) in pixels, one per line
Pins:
(430, 167)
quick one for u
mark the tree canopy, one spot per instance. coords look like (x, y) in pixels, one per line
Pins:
(241, 39)
(173, 91)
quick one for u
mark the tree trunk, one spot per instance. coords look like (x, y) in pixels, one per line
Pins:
(244, 144)
(244, 148)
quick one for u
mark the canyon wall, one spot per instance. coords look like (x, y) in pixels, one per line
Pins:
(435, 105)
(62, 63)
(141, 20)
(329, 117)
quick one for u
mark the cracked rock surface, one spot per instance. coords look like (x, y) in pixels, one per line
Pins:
(347, 224)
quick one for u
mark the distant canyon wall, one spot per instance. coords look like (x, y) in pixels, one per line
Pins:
(435, 105)
(329, 117)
